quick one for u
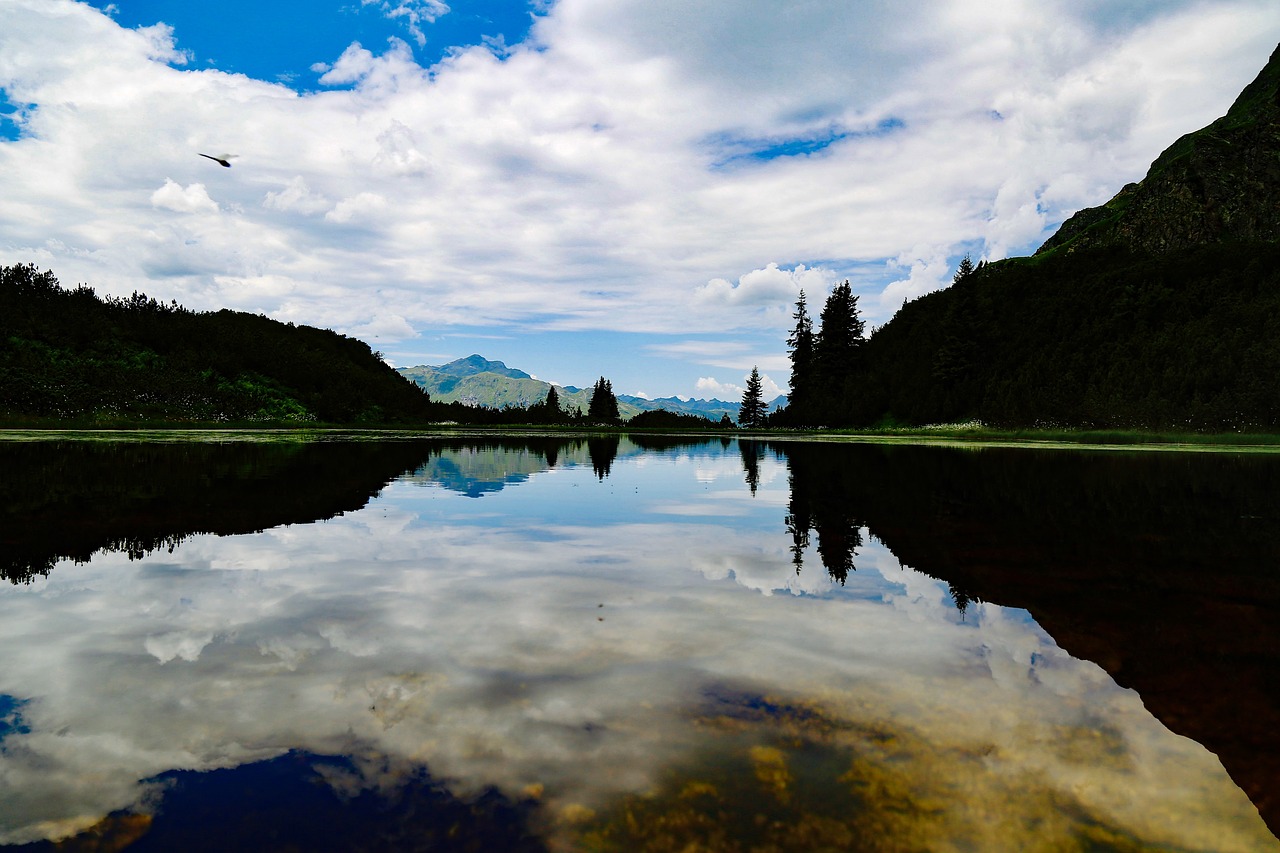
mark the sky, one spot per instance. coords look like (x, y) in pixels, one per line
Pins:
(635, 189)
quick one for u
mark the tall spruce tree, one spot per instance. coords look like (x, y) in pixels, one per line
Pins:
(800, 344)
(553, 398)
(753, 409)
(604, 405)
(837, 343)
(837, 347)
(549, 411)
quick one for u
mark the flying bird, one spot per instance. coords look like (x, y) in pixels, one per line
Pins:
(221, 159)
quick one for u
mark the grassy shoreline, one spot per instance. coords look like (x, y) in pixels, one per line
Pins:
(966, 435)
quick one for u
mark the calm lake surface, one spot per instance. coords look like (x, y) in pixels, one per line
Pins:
(636, 644)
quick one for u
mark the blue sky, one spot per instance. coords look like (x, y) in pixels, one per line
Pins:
(282, 39)
(631, 188)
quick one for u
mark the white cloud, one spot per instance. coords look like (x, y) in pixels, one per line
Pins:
(296, 196)
(603, 175)
(928, 270)
(415, 13)
(710, 386)
(769, 286)
(730, 391)
(357, 207)
(190, 199)
(391, 327)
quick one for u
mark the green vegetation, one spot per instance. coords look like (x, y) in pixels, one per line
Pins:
(753, 411)
(1106, 339)
(69, 356)
(604, 405)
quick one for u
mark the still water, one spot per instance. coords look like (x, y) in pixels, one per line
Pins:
(636, 644)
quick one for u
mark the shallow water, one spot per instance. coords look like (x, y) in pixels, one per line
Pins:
(635, 644)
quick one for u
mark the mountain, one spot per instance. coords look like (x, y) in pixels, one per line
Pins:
(1158, 310)
(476, 381)
(1215, 185)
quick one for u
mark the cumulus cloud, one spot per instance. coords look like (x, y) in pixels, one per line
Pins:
(190, 199)
(767, 286)
(296, 196)
(611, 172)
(383, 327)
(928, 269)
(414, 13)
(356, 207)
(712, 387)
(732, 391)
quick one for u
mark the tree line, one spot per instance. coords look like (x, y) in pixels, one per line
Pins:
(70, 356)
(1099, 339)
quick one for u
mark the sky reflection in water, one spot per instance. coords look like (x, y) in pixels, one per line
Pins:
(595, 646)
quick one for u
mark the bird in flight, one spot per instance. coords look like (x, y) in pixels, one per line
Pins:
(221, 159)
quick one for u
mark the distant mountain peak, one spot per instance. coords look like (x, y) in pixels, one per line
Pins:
(1215, 185)
(477, 381)
(473, 364)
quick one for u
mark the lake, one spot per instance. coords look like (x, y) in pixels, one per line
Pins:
(260, 641)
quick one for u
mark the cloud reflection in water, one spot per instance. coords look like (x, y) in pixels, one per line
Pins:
(584, 639)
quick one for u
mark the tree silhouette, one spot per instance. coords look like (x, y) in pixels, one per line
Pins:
(753, 409)
(604, 405)
(838, 342)
(800, 344)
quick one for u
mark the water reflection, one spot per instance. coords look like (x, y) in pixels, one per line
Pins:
(1160, 567)
(580, 658)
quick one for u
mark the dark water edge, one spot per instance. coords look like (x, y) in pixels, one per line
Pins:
(1163, 568)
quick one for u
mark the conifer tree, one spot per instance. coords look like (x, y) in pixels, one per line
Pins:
(800, 343)
(837, 348)
(604, 405)
(753, 409)
(551, 406)
(837, 343)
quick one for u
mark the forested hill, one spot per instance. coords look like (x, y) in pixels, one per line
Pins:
(1159, 310)
(68, 355)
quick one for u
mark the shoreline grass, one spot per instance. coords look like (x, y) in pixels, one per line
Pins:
(966, 434)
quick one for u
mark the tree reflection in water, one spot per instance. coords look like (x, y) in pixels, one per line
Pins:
(1160, 567)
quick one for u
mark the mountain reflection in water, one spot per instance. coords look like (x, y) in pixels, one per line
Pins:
(564, 662)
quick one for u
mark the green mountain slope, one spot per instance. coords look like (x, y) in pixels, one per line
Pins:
(1217, 184)
(476, 381)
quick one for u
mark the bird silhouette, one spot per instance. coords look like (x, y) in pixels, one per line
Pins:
(221, 159)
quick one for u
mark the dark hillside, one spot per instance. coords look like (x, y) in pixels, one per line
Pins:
(69, 355)
(1157, 310)
(1219, 183)
(1106, 338)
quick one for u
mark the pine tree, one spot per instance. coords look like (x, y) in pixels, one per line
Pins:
(753, 409)
(963, 271)
(837, 343)
(551, 406)
(837, 350)
(800, 343)
(604, 405)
